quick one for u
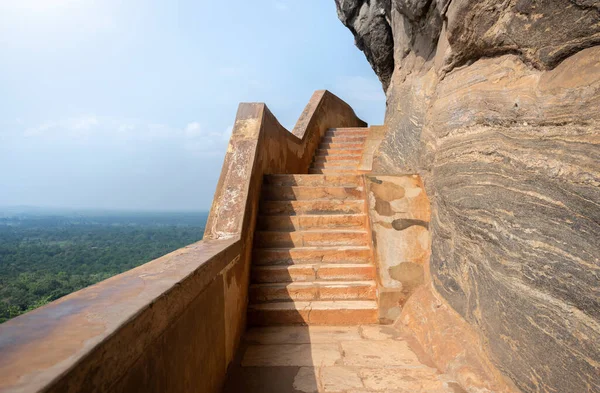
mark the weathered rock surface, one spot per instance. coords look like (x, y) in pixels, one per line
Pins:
(399, 216)
(368, 23)
(496, 104)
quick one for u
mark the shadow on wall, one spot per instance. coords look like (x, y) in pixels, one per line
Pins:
(276, 359)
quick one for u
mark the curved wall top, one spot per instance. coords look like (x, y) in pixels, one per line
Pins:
(260, 145)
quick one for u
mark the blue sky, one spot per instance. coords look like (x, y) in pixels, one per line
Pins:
(129, 104)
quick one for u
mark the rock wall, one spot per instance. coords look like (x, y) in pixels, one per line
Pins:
(496, 104)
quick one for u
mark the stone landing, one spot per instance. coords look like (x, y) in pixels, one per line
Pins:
(332, 359)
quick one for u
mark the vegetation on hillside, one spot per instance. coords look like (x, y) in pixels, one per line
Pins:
(43, 258)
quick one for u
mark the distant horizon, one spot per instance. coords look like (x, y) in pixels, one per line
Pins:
(24, 208)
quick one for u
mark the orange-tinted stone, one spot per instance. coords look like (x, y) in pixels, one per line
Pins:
(312, 255)
(301, 255)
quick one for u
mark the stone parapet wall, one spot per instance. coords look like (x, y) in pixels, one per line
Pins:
(259, 145)
(172, 324)
(157, 328)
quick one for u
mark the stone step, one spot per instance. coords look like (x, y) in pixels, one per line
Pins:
(332, 312)
(338, 152)
(331, 237)
(331, 171)
(295, 193)
(314, 180)
(344, 138)
(335, 164)
(303, 255)
(308, 222)
(312, 272)
(349, 128)
(321, 206)
(334, 158)
(341, 145)
(347, 131)
(316, 290)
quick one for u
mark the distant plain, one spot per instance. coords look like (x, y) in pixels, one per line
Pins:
(48, 253)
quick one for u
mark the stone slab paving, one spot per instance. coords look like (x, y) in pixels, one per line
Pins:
(332, 359)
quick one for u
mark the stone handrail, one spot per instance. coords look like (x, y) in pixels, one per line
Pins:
(116, 336)
(172, 324)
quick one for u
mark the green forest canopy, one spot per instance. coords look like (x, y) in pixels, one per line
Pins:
(44, 257)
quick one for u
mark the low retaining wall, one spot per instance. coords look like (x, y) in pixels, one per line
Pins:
(399, 216)
(160, 327)
(173, 324)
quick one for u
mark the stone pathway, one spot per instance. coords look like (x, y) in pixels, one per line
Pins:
(332, 359)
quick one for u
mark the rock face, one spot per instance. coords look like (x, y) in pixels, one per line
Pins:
(369, 24)
(496, 104)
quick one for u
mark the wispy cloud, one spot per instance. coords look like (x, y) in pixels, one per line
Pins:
(73, 127)
(193, 129)
(84, 122)
(92, 129)
(125, 127)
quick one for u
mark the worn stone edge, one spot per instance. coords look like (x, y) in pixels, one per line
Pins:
(32, 345)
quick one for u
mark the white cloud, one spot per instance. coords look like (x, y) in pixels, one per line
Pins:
(126, 127)
(193, 129)
(94, 130)
(38, 130)
(82, 123)
(73, 127)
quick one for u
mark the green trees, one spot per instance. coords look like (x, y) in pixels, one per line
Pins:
(42, 260)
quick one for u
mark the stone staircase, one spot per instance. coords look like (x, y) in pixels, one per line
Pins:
(312, 252)
(340, 151)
